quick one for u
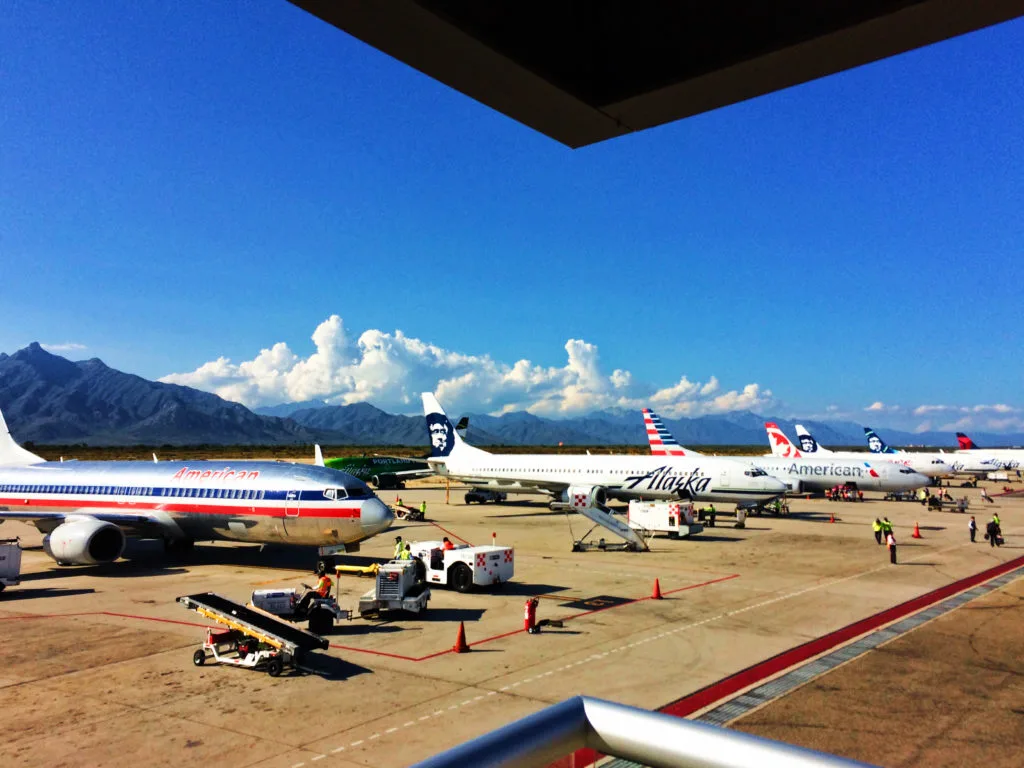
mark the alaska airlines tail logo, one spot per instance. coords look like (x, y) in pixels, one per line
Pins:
(966, 444)
(442, 434)
(875, 443)
(661, 440)
(780, 443)
(807, 442)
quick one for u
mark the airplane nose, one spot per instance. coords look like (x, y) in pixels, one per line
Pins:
(375, 516)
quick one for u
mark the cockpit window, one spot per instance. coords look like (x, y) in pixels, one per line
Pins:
(906, 471)
(755, 472)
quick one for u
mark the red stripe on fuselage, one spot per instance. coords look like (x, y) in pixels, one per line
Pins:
(196, 509)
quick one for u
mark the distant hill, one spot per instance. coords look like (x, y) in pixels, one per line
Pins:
(48, 399)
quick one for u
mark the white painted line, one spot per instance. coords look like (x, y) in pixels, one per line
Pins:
(411, 722)
(374, 736)
(390, 730)
(298, 765)
(356, 743)
(336, 750)
(503, 688)
(426, 717)
(318, 757)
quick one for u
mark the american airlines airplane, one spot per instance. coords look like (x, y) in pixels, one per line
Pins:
(570, 478)
(930, 464)
(1011, 458)
(87, 508)
(804, 474)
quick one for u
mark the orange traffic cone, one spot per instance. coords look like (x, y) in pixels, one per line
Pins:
(917, 532)
(460, 640)
(656, 594)
(832, 517)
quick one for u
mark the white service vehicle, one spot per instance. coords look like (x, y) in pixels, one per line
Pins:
(321, 613)
(677, 519)
(10, 563)
(397, 588)
(464, 567)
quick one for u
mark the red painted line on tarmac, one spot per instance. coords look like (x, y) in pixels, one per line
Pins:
(782, 661)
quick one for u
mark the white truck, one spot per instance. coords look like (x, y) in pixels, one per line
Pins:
(398, 587)
(464, 567)
(10, 563)
(675, 518)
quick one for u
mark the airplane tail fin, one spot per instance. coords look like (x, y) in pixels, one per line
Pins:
(807, 442)
(966, 444)
(318, 456)
(12, 454)
(781, 446)
(444, 438)
(661, 440)
(875, 443)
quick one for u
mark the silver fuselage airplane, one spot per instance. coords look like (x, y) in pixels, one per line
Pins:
(86, 508)
(618, 477)
(803, 474)
(929, 464)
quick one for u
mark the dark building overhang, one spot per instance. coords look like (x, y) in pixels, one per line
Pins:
(584, 71)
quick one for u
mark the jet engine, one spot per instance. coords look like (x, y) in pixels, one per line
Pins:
(85, 541)
(585, 496)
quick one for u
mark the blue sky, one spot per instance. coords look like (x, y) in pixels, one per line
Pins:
(183, 185)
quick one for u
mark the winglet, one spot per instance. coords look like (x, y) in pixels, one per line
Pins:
(12, 454)
(318, 456)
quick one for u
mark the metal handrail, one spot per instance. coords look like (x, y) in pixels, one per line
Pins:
(650, 738)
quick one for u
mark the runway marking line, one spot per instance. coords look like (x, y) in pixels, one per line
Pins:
(756, 673)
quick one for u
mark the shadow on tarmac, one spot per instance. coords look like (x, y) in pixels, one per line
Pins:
(331, 667)
(451, 614)
(31, 594)
(518, 589)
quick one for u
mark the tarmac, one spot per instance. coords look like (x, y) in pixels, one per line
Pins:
(98, 663)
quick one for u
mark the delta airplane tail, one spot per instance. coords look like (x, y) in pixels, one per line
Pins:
(966, 444)
(780, 443)
(445, 441)
(875, 443)
(661, 440)
(807, 442)
(12, 454)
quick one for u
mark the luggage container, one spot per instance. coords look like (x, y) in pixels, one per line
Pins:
(675, 518)
(10, 563)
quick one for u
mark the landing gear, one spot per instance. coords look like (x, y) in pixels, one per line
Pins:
(179, 546)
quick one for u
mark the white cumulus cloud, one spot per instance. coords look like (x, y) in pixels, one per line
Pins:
(391, 369)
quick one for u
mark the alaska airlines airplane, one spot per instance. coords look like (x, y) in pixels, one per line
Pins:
(807, 474)
(87, 508)
(930, 464)
(1011, 458)
(960, 465)
(567, 478)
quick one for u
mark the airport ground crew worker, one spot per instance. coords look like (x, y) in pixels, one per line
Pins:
(995, 519)
(877, 528)
(399, 546)
(406, 554)
(985, 496)
(991, 532)
(890, 541)
(711, 516)
(423, 508)
(446, 543)
(322, 589)
(973, 528)
(886, 528)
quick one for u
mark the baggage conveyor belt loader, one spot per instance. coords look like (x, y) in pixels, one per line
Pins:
(250, 638)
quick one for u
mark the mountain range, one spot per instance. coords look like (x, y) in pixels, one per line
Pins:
(47, 399)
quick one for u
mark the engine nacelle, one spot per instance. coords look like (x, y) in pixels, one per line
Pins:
(86, 541)
(582, 496)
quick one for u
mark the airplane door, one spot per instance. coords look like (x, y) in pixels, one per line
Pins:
(291, 512)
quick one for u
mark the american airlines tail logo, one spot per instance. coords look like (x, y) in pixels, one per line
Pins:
(665, 479)
(779, 440)
(661, 441)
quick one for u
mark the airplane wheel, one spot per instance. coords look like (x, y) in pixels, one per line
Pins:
(199, 657)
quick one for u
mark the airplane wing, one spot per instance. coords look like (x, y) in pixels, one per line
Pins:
(138, 525)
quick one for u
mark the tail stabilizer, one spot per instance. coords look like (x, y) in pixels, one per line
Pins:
(966, 444)
(660, 439)
(444, 438)
(807, 442)
(318, 456)
(875, 443)
(12, 454)
(781, 446)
